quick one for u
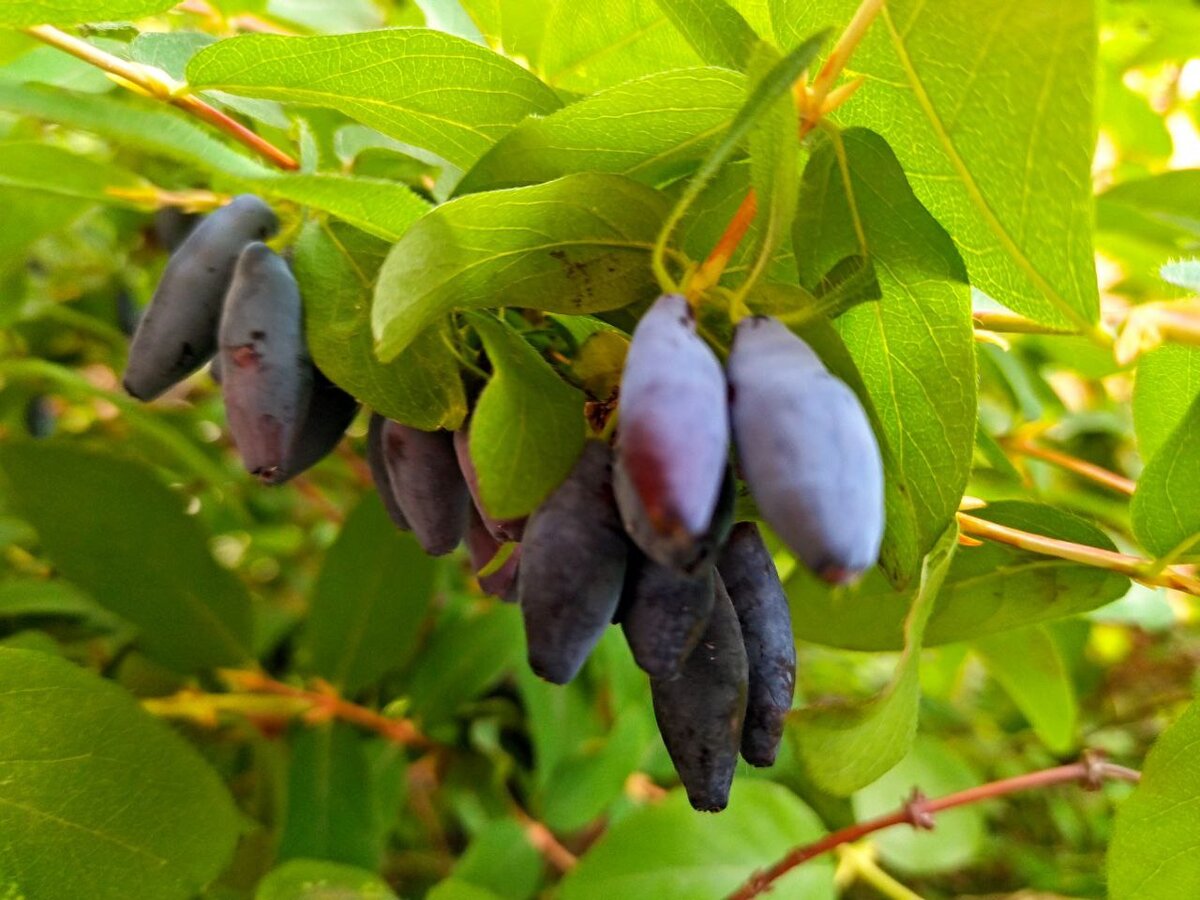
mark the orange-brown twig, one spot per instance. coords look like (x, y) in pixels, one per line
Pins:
(1080, 467)
(919, 812)
(157, 84)
(1146, 571)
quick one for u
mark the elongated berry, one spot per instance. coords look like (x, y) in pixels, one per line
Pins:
(266, 372)
(503, 530)
(664, 615)
(330, 412)
(572, 568)
(379, 471)
(425, 480)
(749, 574)
(178, 332)
(806, 450)
(700, 712)
(672, 437)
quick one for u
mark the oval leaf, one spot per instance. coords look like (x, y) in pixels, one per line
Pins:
(579, 244)
(440, 92)
(96, 795)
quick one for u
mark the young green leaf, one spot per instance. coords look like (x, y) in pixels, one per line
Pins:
(1167, 382)
(1013, 179)
(576, 245)
(774, 167)
(1155, 851)
(76, 12)
(34, 167)
(528, 427)
(771, 86)
(1166, 506)
(716, 31)
(1029, 665)
(500, 858)
(920, 334)
(153, 568)
(584, 45)
(989, 589)
(330, 809)
(1161, 207)
(314, 879)
(336, 267)
(369, 601)
(439, 92)
(667, 850)
(847, 747)
(87, 776)
(653, 129)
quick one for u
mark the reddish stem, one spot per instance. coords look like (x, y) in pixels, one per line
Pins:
(919, 812)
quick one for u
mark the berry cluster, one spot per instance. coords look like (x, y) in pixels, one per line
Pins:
(641, 533)
(227, 297)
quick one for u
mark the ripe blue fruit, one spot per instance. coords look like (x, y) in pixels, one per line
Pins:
(266, 373)
(425, 481)
(672, 437)
(664, 613)
(572, 567)
(749, 574)
(379, 471)
(178, 332)
(806, 450)
(482, 549)
(330, 412)
(700, 712)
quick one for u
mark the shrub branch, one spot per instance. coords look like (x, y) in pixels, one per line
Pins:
(159, 85)
(920, 812)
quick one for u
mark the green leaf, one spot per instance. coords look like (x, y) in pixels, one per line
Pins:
(501, 859)
(584, 45)
(770, 87)
(915, 348)
(653, 129)
(958, 839)
(54, 598)
(1030, 667)
(456, 889)
(716, 31)
(667, 850)
(336, 267)
(382, 208)
(847, 747)
(1155, 850)
(96, 795)
(465, 655)
(74, 12)
(369, 601)
(1161, 207)
(1168, 380)
(35, 167)
(774, 165)
(989, 106)
(576, 245)
(330, 810)
(153, 568)
(131, 121)
(313, 879)
(586, 783)
(527, 429)
(1166, 506)
(1184, 273)
(436, 91)
(989, 589)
